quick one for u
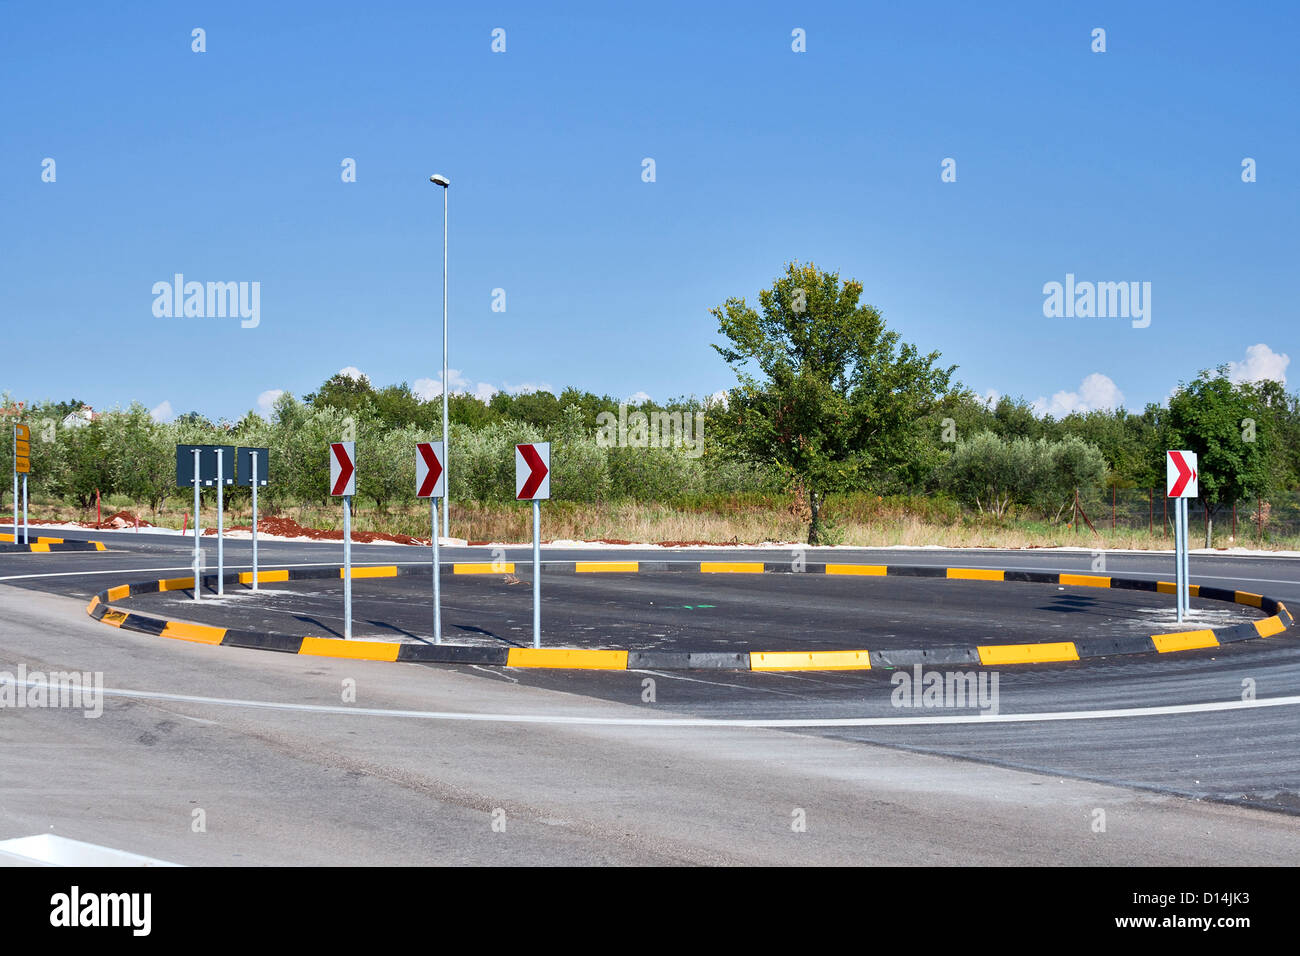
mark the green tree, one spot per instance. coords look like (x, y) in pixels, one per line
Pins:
(988, 473)
(481, 463)
(397, 406)
(1015, 418)
(464, 410)
(143, 458)
(49, 459)
(1282, 415)
(1058, 469)
(88, 466)
(1226, 424)
(827, 394)
(579, 466)
(992, 473)
(540, 409)
(343, 392)
(390, 464)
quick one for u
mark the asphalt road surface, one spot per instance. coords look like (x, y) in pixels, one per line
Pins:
(1146, 759)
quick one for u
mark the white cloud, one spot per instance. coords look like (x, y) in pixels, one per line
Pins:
(991, 397)
(354, 373)
(1095, 392)
(427, 389)
(717, 398)
(266, 401)
(1260, 364)
(484, 392)
(163, 413)
(636, 398)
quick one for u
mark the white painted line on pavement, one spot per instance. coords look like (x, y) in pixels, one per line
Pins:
(665, 722)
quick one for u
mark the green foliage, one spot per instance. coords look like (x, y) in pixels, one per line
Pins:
(386, 463)
(1129, 443)
(481, 463)
(140, 455)
(827, 402)
(463, 409)
(88, 466)
(343, 392)
(541, 410)
(827, 394)
(1282, 422)
(579, 466)
(1015, 418)
(993, 474)
(397, 406)
(1226, 424)
(651, 474)
(986, 472)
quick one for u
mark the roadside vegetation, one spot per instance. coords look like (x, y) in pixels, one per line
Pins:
(836, 432)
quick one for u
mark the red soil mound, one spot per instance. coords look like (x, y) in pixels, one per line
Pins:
(122, 519)
(288, 528)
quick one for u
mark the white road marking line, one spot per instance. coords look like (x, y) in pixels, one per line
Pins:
(712, 683)
(757, 722)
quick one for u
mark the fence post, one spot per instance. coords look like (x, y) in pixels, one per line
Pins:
(1151, 511)
(1234, 518)
(1259, 518)
(1114, 491)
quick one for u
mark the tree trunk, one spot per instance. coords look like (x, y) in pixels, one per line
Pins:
(1209, 524)
(815, 526)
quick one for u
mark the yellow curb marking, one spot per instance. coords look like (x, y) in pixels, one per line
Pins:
(810, 661)
(1028, 653)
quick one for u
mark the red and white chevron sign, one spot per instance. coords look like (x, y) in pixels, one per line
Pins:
(343, 468)
(533, 471)
(430, 479)
(1181, 478)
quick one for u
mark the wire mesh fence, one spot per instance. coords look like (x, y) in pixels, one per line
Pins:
(1147, 509)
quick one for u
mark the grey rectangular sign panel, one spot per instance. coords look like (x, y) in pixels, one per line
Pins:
(246, 466)
(207, 465)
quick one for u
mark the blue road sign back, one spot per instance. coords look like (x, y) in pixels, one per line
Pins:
(246, 466)
(207, 465)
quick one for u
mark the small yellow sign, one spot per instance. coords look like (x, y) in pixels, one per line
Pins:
(24, 433)
(24, 449)
(22, 465)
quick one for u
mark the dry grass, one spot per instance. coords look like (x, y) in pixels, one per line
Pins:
(743, 523)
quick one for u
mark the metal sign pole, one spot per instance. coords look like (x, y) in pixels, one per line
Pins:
(198, 583)
(15, 481)
(254, 457)
(26, 530)
(537, 573)
(1178, 554)
(1178, 557)
(347, 567)
(1182, 567)
(1187, 560)
(437, 574)
(1187, 588)
(221, 492)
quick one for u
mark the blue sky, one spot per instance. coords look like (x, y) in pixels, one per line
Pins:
(225, 165)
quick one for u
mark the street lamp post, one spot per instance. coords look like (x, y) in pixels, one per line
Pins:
(439, 180)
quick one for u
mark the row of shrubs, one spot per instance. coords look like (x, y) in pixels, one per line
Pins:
(126, 452)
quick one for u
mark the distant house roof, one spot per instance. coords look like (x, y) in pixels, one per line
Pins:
(82, 416)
